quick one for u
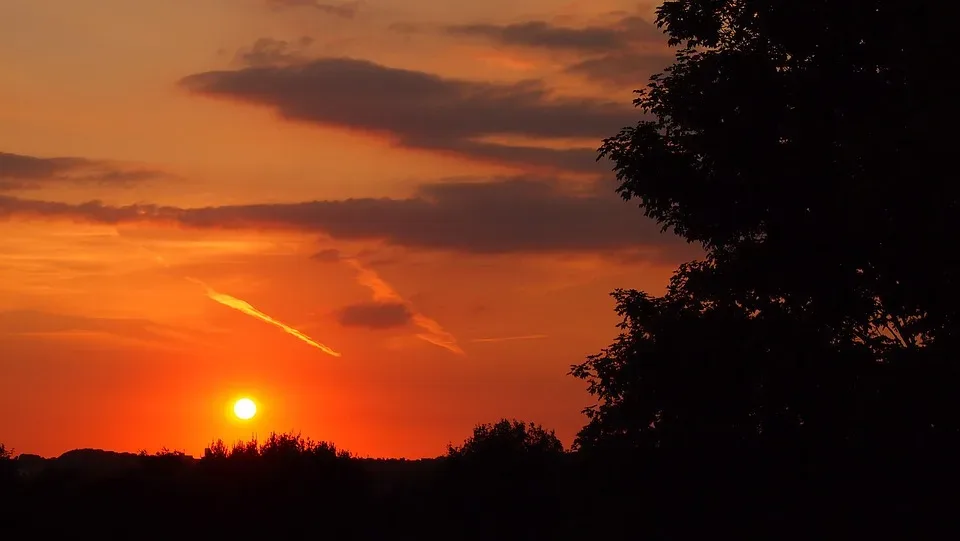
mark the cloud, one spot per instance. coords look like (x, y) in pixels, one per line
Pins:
(433, 332)
(346, 10)
(624, 52)
(330, 255)
(626, 32)
(32, 322)
(543, 34)
(622, 68)
(273, 52)
(504, 216)
(20, 172)
(375, 315)
(509, 338)
(422, 110)
(245, 307)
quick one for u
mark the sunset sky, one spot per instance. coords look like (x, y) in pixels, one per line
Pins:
(408, 184)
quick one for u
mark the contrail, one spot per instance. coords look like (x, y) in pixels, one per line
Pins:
(510, 338)
(248, 309)
(235, 303)
(382, 291)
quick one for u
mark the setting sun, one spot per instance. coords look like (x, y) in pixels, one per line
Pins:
(245, 409)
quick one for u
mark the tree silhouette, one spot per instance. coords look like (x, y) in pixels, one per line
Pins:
(505, 477)
(8, 465)
(507, 438)
(801, 144)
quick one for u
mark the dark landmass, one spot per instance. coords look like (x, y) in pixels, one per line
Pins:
(510, 480)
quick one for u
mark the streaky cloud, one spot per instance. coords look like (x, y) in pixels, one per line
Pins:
(433, 333)
(247, 308)
(22, 172)
(345, 10)
(509, 338)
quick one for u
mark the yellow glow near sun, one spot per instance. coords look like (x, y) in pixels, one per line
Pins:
(245, 409)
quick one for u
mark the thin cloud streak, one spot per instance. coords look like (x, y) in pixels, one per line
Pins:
(345, 10)
(510, 338)
(233, 302)
(22, 172)
(247, 308)
(382, 292)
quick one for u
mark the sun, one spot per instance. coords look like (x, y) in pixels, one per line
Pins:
(245, 409)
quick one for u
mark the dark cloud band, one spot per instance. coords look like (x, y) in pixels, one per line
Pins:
(422, 110)
(513, 215)
(20, 172)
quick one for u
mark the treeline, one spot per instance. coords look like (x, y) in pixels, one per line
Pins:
(509, 480)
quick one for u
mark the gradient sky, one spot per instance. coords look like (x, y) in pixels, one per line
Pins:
(409, 183)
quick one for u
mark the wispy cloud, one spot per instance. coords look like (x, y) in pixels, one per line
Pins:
(434, 333)
(37, 323)
(247, 308)
(627, 31)
(21, 172)
(345, 10)
(273, 52)
(510, 338)
(233, 302)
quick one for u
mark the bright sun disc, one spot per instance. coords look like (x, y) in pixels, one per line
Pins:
(244, 409)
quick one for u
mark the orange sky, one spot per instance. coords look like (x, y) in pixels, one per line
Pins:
(409, 183)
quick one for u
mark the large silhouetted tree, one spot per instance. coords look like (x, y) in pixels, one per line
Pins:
(803, 145)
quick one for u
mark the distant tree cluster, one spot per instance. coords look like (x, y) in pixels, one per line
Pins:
(507, 439)
(288, 484)
(275, 447)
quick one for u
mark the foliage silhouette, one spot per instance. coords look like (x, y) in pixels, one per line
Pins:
(781, 140)
(8, 468)
(801, 144)
(288, 485)
(507, 439)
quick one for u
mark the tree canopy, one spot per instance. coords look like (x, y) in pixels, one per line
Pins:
(802, 145)
(507, 439)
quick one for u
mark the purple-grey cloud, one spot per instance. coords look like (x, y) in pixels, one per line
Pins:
(422, 110)
(375, 315)
(346, 10)
(273, 52)
(330, 255)
(21, 172)
(505, 216)
(624, 69)
(545, 35)
(623, 53)
(620, 35)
